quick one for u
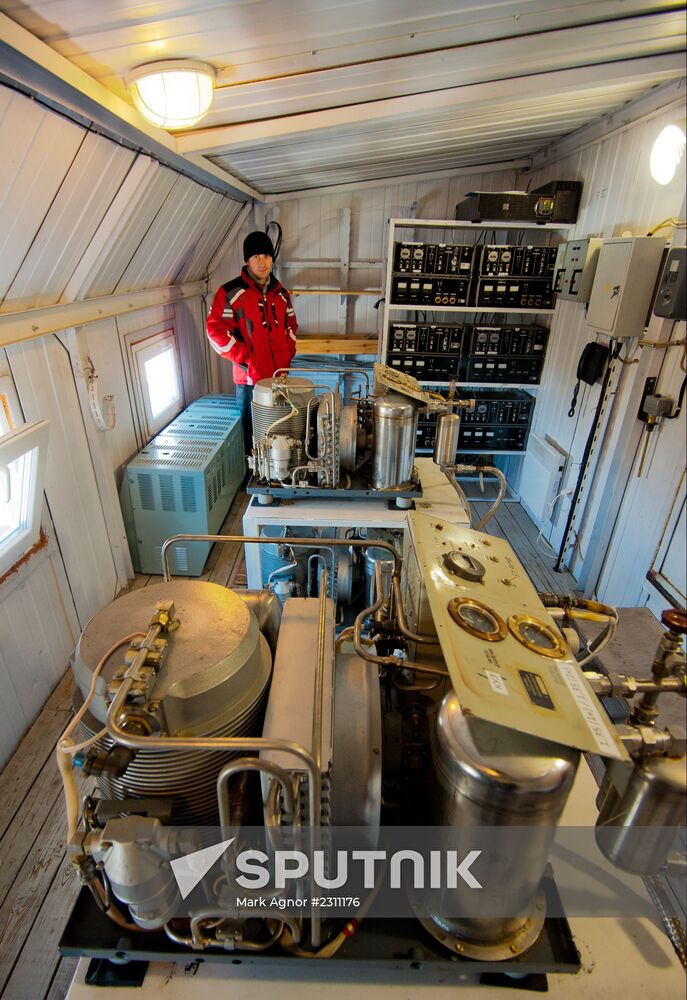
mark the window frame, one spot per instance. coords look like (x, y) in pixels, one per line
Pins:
(142, 347)
(20, 441)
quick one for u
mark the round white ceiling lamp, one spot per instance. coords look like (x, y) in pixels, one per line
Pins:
(666, 154)
(173, 93)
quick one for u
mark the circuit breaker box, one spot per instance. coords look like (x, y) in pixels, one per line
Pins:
(575, 268)
(624, 284)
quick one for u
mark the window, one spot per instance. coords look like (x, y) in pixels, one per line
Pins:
(157, 369)
(22, 468)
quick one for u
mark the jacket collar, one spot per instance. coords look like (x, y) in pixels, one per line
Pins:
(272, 284)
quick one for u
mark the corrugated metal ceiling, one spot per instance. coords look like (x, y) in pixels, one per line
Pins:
(313, 78)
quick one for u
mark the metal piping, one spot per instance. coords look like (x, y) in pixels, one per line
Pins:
(387, 661)
(236, 744)
(249, 764)
(423, 640)
(298, 543)
(319, 674)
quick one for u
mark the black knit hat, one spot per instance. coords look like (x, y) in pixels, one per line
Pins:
(256, 243)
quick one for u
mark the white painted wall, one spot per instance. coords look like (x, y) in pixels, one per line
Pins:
(619, 196)
(312, 229)
(83, 217)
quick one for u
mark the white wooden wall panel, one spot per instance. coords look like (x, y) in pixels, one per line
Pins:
(38, 631)
(172, 234)
(44, 380)
(101, 343)
(619, 195)
(96, 173)
(38, 149)
(37, 636)
(108, 274)
(189, 324)
(220, 214)
(648, 498)
(311, 232)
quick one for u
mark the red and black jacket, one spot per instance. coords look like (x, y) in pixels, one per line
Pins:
(254, 328)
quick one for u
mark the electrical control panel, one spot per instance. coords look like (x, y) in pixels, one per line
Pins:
(423, 290)
(451, 275)
(575, 268)
(500, 422)
(512, 293)
(624, 284)
(472, 354)
(670, 297)
(517, 261)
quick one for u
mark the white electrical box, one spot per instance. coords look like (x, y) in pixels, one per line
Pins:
(575, 268)
(624, 284)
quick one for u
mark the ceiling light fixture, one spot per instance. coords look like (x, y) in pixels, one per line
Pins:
(666, 153)
(174, 93)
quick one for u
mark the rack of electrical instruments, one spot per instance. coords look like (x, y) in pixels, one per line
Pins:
(443, 308)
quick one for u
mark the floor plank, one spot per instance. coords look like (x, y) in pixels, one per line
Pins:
(28, 821)
(62, 979)
(24, 767)
(37, 964)
(23, 903)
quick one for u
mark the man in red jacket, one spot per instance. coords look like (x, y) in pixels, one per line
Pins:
(252, 323)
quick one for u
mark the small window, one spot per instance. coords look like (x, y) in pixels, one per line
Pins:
(157, 367)
(22, 469)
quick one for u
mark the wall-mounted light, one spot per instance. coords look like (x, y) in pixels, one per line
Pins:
(666, 153)
(174, 93)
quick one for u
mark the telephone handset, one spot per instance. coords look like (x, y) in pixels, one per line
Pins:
(590, 369)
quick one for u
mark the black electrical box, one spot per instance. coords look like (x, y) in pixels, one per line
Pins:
(670, 297)
(558, 201)
(500, 422)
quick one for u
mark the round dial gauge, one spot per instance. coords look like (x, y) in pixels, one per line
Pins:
(477, 619)
(463, 565)
(537, 635)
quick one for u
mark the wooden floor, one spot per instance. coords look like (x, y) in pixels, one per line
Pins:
(37, 886)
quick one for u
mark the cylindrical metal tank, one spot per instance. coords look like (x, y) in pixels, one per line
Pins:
(487, 782)
(213, 683)
(637, 827)
(269, 406)
(446, 443)
(395, 431)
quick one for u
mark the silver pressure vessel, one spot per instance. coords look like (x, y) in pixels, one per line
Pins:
(501, 791)
(638, 824)
(395, 431)
(446, 443)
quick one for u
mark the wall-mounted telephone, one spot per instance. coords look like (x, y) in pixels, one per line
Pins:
(590, 368)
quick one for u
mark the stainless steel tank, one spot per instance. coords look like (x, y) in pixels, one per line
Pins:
(395, 432)
(213, 683)
(270, 406)
(638, 822)
(446, 442)
(502, 790)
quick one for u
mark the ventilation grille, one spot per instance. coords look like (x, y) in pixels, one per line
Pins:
(145, 491)
(167, 493)
(188, 495)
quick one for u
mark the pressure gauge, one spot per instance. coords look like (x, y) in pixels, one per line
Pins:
(463, 565)
(477, 619)
(537, 635)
